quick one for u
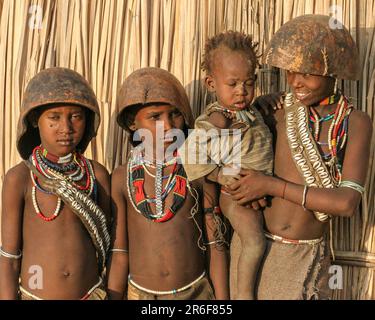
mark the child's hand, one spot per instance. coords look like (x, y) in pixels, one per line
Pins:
(270, 101)
(250, 187)
(227, 176)
(257, 204)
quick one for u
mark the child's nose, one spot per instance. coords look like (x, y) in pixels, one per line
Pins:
(241, 89)
(294, 79)
(66, 125)
(168, 123)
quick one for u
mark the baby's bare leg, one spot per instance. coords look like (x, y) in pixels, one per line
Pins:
(248, 224)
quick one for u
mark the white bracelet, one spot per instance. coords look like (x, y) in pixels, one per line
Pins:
(212, 242)
(119, 250)
(352, 185)
(304, 197)
(10, 255)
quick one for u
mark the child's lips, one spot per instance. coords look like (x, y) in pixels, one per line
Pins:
(301, 95)
(65, 142)
(240, 105)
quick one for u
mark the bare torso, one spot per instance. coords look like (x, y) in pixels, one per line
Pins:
(60, 251)
(164, 256)
(285, 218)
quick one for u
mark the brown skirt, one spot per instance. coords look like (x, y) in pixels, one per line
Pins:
(289, 271)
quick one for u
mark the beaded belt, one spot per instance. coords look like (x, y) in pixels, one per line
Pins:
(174, 291)
(291, 241)
(85, 297)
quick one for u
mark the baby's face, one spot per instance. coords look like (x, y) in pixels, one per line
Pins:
(232, 79)
(61, 128)
(308, 88)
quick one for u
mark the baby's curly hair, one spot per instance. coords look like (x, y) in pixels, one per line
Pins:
(233, 40)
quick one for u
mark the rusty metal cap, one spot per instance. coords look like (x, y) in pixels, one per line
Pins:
(314, 44)
(152, 85)
(56, 86)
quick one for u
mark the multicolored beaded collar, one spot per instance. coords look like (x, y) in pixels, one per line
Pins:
(337, 133)
(73, 171)
(177, 181)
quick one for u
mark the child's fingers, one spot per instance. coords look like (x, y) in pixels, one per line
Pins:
(234, 186)
(262, 203)
(255, 205)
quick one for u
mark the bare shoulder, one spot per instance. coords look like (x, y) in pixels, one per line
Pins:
(361, 121)
(118, 178)
(17, 175)
(119, 173)
(219, 120)
(15, 183)
(100, 171)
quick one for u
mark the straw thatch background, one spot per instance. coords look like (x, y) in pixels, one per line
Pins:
(107, 40)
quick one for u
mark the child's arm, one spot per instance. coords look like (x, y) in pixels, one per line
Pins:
(216, 250)
(337, 201)
(118, 264)
(219, 120)
(11, 230)
(104, 190)
(269, 102)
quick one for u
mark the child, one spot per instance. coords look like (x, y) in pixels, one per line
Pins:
(52, 250)
(158, 251)
(230, 61)
(321, 158)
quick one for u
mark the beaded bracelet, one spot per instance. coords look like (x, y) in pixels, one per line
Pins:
(215, 210)
(10, 255)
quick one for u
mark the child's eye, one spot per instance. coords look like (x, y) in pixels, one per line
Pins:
(232, 84)
(249, 83)
(77, 116)
(53, 117)
(176, 113)
(154, 117)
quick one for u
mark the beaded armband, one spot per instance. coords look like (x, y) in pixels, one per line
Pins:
(215, 210)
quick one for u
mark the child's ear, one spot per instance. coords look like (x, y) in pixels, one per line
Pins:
(33, 119)
(210, 83)
(133, 127)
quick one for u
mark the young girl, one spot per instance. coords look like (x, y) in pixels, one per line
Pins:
(161, 236)
(321, 158)
(56, 204)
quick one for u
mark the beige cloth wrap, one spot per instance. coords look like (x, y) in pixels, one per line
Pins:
(289, 271)
(255, 150)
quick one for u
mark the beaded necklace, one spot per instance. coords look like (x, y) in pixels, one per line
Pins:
(177, 181)
(337, 132)
(41, 159)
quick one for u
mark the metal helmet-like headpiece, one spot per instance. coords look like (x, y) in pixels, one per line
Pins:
(313, 44)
